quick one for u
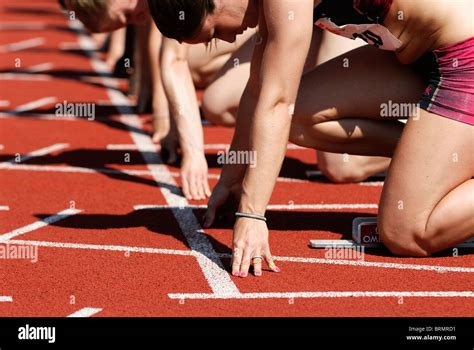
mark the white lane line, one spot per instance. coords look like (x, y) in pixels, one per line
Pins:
(217, 146)
(35, 154)
(24, 76)
(75, 170)
(39, 224)
(30, 106)
(4, 208)
(270, 206)
(299, 260)
(69, 169)
(114, 248)
(145, 250)
(6, 299)
(313, 174)
(218, 278)
(22, 45)
(328, 294)
(31, 26)
(43, 67)
(383, 265)
(4, 103)
(129, 147)
(86, 312)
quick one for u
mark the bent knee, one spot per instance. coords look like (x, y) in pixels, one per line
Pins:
(404, 240)
(338, 172)
(215, 112)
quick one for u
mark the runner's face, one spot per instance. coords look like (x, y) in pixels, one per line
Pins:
(230, 18)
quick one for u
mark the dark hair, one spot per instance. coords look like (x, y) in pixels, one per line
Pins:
(180, 19)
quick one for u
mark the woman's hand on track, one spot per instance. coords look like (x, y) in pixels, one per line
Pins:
(250, 247)
(194, 177)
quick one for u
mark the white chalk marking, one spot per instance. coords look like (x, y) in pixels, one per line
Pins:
(43, 67)
(299, 260)
(4, 208)
(272, 206)
(86, 312)
(22, 45)
(116, 248)
(217, 146)
(31, 26)
(30, 106)
(24, 77)
(328, 294)
(35, 154)
(39, 224)
(6, 299)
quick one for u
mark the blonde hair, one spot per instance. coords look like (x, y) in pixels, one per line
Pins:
(90, 12)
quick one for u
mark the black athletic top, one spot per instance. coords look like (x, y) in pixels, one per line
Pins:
(357, 19)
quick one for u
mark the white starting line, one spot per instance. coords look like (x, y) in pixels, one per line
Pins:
(211, 146)
(43, 67)
(4, 208)
(30, 106)
(85, 312)
(35, 154)
(22, 45)
(39, 224)
(289, 207)
(31, 26)
(24, 77)
(70, 169)
(328, 294)
(289, 259)
(6, 299)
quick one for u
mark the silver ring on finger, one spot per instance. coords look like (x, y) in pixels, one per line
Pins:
(257, 257)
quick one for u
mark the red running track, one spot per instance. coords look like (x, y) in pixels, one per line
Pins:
(108, 257)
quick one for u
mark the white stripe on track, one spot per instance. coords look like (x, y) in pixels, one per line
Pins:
(6, 299)
(43, 67)
(113, 248)
(217, 146)
(4, 208)
(86, 312)
(39, 224)
(272, 206)
(207, 258)
(35, 154)
(69, 169)
(299, 260)
(30, 106)
(27, 26)
(22, 45)
(24, 76)
(328, 294)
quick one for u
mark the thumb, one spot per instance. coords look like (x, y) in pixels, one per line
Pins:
(209, 216)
